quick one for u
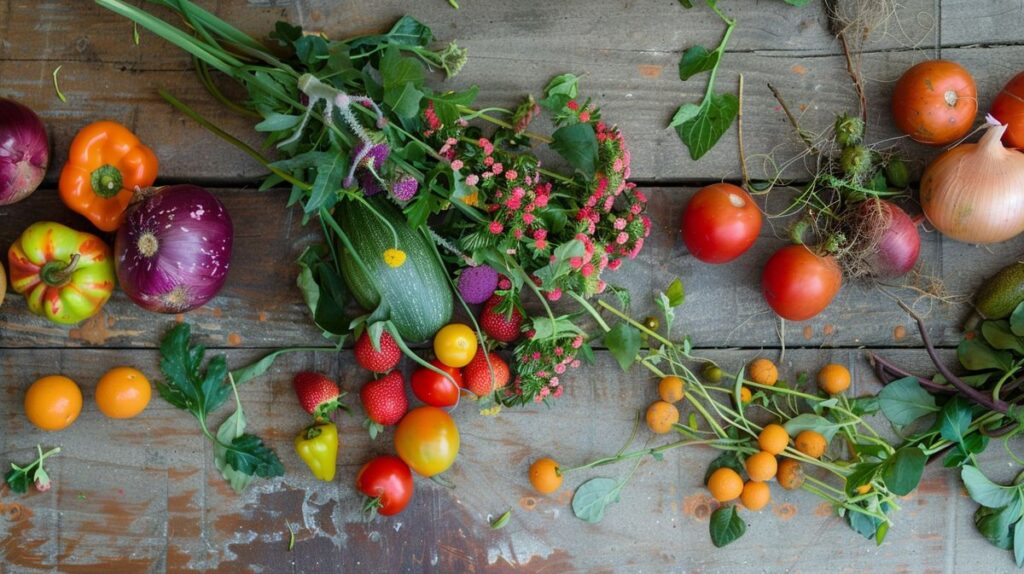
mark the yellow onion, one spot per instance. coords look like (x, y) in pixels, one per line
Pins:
(975, 192)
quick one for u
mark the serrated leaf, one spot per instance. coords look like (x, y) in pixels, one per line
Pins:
(593, 497)
(232, 428)
(327, 183)
(702, 130)
(186, 384)
(249, 455)
(726, 526)
(696, 59)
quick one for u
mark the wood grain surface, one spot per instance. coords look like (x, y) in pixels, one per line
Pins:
(143, 496)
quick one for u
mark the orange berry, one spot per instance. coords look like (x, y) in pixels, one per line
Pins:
(670, 389)
(791, 474)
(725, 484)
(661, 416)
(755, 495)
(761, 466)
(811, 443)
(123, 393)
(864, 488)
(763, 372)
(833, 378)
(773, 439)
(545, 476)
(745, 395)
(53, 403)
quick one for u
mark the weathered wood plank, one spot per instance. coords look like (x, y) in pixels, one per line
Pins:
(966, 23)
(629, 68)
(142, 495)
(261, 307)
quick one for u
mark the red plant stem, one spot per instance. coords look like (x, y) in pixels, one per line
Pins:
(965, 389)
(885, 366)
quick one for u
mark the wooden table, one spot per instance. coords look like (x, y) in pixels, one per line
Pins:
(143, 495)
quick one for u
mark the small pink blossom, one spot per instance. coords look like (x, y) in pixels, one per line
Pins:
(576, 262)
(488, 161)
(540, 244)
(618, 165)
(572, 105)
(587, 270)
(622, 238)
(496, 227)
(497, 168)
(457, 165)
(554, 295)
(575, 364)
(577, 342)
(528, 218)
(601, 286)
(511, 174)
(559, 369)
(472, 179)
(558, 392)
(619, 224)
(544, 391)
(536, 356)
(613, 265)
(486, 175)
(584, 117)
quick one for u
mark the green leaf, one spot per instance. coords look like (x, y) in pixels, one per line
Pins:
(396, 71)
(405, 102)
(686, 3)
(593, 496)
(623, 342)
(695, 60)
(559, 91)
(257, 368)
(229, 430)
(999, 335)
(1017, 320)
(797, 3)
(903, 401)
(327, 183)
(999, 525)
(277, 122)
(955, 419)
(816, 423)
(249, 455)
(973, 443)
(976, 355)
(187, 386)
(502, 520)
(726, 526)
(560, 266)
(675, 292)
(446, 104)
(1018, 544)
(727, 459)
(578, 145)
(984, 491)
(685, 113)
(902, 472)
(702, 130)
(410, 31)
(866, 526)
(863, 473)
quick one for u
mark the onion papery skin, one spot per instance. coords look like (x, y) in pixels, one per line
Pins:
(24, 151)
(173, 251)
(892, 249)
(975, 192)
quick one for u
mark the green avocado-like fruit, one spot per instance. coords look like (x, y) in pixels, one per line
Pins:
(1001, 293)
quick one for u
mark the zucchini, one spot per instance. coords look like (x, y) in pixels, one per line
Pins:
(416, 295)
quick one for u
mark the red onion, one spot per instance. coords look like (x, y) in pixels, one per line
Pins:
(174, 249)
(887, 242)
(24, 151)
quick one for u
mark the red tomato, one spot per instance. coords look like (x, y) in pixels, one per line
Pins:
(798, 284)
(427, 440)
(720, 222)
(434, 389)
(935, 102)
(1008, 108)
(387, 481)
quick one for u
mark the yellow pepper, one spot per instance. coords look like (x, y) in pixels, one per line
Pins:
(317, 446)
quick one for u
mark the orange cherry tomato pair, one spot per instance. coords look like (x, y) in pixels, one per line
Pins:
(52, 403)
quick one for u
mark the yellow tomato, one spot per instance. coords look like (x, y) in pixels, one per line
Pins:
(123, 393)
(53, 403)
(455, 345)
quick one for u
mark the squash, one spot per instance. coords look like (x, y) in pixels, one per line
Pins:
(416, 295)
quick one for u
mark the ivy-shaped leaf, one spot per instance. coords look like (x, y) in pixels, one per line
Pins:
(696, 59)
(593, 496)
(726, 526)
(700, 127)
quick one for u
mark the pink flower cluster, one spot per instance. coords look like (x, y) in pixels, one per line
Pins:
(540, 366)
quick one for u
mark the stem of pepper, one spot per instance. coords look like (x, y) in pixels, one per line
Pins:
(106, 181)
(58, 273)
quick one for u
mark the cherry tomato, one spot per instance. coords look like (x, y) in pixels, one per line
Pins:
(720, 222)
(123, 393)
(427, 440)
(455, 345)
(52, 403)
(1008, 108)
(935, 102)
(799, 284)
(387, 481)
(434, 389)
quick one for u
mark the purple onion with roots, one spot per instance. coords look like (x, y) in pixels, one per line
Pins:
(24, 151)
(174, 249)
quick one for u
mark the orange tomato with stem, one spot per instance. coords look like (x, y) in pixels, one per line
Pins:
(935, 102)
(545, 475)
(123, 393)
(52, 403)
(427, 440)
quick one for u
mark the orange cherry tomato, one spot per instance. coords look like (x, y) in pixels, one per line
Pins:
(52, 403)
(123, 393)
(1008, 108)
(427, 440)
(935, 102)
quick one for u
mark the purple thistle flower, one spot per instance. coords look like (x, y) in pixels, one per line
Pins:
(404, 188)
(477, 284)
(369, 183)
(375, 156)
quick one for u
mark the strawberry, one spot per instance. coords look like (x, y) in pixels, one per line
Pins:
(384, 401)
(380, 361)
(318, 395)
(477, 376)
(500, 326)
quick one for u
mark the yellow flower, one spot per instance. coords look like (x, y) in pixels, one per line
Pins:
(394, 257)
(491, 412)
(471, 199)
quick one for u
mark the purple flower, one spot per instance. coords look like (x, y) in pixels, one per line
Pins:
(404, 188)
(369, 183)
(477, 284)
(375, 156)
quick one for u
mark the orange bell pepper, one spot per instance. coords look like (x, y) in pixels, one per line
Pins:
(106, 164)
